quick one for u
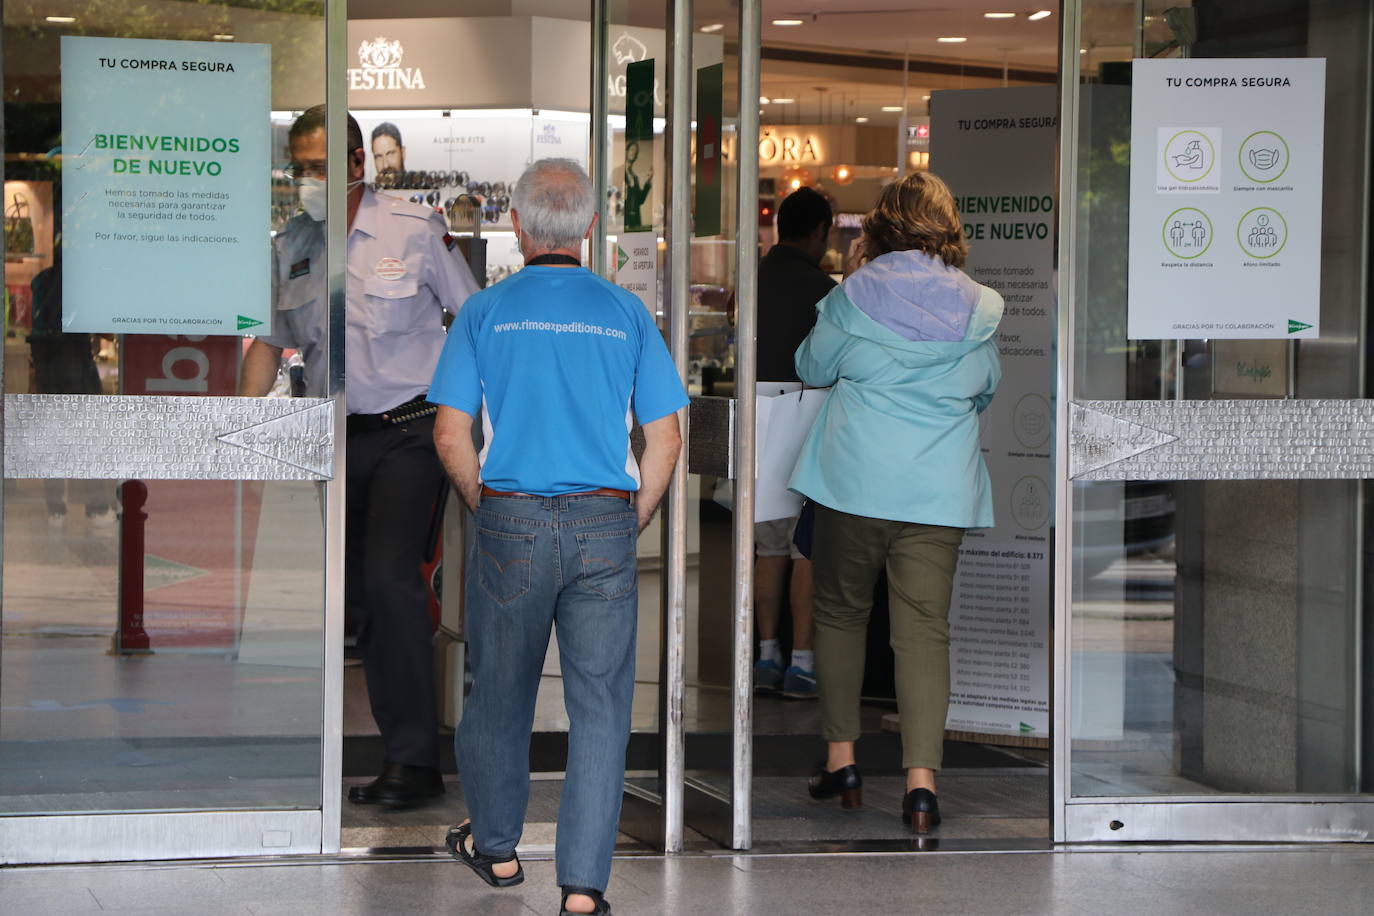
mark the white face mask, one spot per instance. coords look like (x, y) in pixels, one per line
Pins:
(314, 197)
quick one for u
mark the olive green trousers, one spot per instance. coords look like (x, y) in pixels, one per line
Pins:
(848, 553)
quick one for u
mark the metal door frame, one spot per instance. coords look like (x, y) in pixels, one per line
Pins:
(728, 819)
(77, 837)
(1214, 818)
(659, 817)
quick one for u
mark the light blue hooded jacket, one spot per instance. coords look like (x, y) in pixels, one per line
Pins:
(908, 345)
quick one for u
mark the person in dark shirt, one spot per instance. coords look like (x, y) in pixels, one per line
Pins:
(791, 282)
(64, 363)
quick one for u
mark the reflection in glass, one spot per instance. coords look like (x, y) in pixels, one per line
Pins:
(160, 641)
(1216, 624)
(199, 689)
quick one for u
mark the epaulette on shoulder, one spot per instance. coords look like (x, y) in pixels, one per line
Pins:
(406, 208)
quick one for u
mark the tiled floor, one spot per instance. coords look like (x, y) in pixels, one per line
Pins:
(1337, 881)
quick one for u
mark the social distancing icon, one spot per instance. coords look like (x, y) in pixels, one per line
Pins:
(1187, 233)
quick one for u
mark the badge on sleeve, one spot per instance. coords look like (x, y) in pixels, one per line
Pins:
(390, 268)
(449, 240)
(300, 268)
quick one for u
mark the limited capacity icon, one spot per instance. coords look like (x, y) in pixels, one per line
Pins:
(1262, 232)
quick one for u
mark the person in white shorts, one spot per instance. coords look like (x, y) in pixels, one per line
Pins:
(791, 281)
(773, 548)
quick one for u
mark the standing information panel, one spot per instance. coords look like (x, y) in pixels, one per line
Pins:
(995, 148)
(1226, 198)
(166, 164)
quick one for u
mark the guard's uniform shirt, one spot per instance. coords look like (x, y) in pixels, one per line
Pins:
(401, 275)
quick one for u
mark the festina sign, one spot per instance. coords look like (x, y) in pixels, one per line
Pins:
(379, 67)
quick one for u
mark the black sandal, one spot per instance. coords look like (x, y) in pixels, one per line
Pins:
(479, 862)
(602, 907)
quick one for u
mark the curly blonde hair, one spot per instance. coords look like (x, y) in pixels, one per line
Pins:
(916, 212)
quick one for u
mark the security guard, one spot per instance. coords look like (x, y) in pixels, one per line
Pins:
(402, 274)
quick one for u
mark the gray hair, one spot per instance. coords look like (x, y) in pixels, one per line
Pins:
(555, 203)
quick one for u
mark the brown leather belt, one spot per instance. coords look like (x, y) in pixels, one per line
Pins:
(603, 491)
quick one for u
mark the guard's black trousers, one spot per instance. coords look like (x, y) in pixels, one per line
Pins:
(393, 481)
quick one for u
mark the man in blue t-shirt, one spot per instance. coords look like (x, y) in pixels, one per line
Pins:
(559, 364)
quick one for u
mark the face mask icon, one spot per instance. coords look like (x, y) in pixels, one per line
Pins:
(1033, 423)
(1264, 158)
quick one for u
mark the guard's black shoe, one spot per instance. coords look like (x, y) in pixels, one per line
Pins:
(399, 786)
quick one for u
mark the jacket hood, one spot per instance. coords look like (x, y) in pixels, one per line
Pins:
(920, 309)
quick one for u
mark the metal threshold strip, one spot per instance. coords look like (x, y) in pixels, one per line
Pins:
(760, 851)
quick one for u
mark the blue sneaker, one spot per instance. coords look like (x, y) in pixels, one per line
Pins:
(799, 684)
(767, 675)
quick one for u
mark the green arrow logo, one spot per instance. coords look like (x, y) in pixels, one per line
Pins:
(1296, 326)
(1026, 729)
(620, 265)
(245, 322)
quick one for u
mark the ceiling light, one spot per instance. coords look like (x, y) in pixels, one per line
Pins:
(224, 38)
(892, 108)
(952, 40)
(783, 101)
(1082, 50)
(787, 22)
(999, 15)
(60, 20)
(764, 100)
(925, 98)
(713, 27)
(1038, 15)
(861, 120)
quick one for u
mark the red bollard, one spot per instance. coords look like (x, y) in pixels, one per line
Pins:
(131, 637)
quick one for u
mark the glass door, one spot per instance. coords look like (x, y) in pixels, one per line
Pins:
(665, 143)
(1212, 675)
(171, 621)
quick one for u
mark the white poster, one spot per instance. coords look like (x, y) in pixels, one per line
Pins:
(166, 169)
(435, 160)
(636, 266)
(996, 150)
(489, 150)
(1226, 194)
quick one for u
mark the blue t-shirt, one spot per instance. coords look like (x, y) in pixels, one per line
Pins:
(561, 363)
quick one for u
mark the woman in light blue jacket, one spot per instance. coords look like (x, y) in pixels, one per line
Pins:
(908, 347)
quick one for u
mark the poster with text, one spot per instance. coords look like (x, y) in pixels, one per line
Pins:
(636, 266)
(1226, 198)
(995, 148)
(489, 150)
(166, 169)
(435, 160)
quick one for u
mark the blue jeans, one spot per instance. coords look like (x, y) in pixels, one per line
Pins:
(538, 561)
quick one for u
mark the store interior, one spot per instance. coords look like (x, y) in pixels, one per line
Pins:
(452, 107)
